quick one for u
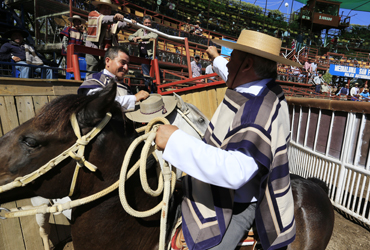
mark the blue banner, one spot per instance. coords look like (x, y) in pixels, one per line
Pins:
(226, 51)
(348, 71)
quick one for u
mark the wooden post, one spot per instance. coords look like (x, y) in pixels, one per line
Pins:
(188, 57)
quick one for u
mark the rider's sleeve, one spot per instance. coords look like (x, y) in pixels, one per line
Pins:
(219, 66)
(229, 169)
(127, 102)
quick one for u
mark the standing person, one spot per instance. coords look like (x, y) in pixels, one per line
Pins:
(146, 49)
(365, 94)
(22, 53)
(318, 81)
(73, 34)
(355, 90)
(209, 70)
(116, 66)
(102, 31)
(196, 67)
(299, 41)
(242, 163)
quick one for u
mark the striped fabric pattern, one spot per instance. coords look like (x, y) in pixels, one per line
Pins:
(74, 37)
(100, 80)
(258, 126)
(94, 31)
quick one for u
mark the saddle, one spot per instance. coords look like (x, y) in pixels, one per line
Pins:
(250, 239)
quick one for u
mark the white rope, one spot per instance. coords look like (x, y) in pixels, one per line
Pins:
(165, 176)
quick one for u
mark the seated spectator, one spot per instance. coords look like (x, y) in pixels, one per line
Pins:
(325, 88)
(209, 70)
(102, 31)
(171, 9)
(196, 67)
(145, 48)
(197, 29)
(365, 94)
(73, 34)
(188, 27)
(22, 54)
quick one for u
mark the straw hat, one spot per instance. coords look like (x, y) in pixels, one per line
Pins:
(76, 17)
(9, 33)
(258, 44)
(106, 2)
(154, 106)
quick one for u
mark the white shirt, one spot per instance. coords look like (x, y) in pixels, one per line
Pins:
(127, 102)
(229, 169)
(354, 91)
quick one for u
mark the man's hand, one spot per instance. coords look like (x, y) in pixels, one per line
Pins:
(16, 58)
(136, 39)
(164, 133)
(141, 95)
(212, 52)
(118, 17)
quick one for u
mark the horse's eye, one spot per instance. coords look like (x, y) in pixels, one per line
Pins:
(30, 142)
(201, 120)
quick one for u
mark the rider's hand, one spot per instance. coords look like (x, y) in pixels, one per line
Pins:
(212, 52)
(118, 17)
(141, 95)
(164, 133)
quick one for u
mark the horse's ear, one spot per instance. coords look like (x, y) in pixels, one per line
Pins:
(99, 106)
(180, 103)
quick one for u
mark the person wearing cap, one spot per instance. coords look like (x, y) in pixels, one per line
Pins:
(146, 49)
(22, 54)
(239, 173)
(196, 67)
(355, 90)
(188, 27)
(73, 34)
(116, 66)
(101, 31)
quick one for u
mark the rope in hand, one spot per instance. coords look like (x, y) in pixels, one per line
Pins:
(166, 175)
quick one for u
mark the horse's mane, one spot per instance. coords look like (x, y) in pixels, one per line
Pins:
(55, 116)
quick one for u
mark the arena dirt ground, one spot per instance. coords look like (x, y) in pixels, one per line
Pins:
(348, 235)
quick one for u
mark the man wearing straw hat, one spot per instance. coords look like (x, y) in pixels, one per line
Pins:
(73, 34)
(102, 30)
(240, 172)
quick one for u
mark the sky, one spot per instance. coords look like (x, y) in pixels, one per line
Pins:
(357, 17)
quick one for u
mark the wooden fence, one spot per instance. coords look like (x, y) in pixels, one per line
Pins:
(20, 100)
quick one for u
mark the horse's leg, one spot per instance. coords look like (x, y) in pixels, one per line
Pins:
(43, 221)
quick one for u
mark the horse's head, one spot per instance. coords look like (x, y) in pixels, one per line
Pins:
(40, 139)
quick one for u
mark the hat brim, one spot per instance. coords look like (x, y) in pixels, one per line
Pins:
(76, 18)
(170, 103)
(9, 33)
(256, 52)
(96, 3)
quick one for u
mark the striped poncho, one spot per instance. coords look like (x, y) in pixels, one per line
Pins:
(104, 35)
(74, 37)
(257, 126)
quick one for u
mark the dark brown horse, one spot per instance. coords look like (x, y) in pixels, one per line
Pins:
(104, 224)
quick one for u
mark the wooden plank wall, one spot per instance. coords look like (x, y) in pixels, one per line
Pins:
(206, 100)
(19, 101)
